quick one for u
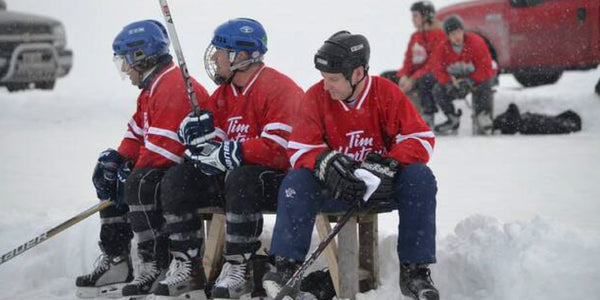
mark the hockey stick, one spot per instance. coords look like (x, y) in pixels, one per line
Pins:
(293, 284)
(179, 53)
(54, 231)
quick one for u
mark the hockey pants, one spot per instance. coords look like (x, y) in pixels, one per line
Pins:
(301, 198)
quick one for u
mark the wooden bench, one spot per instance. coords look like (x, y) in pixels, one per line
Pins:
(353, 261)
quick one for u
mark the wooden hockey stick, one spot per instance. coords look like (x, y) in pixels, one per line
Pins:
(54, 231)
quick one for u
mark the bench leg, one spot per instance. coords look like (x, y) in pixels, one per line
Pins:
(214, 245)
(324, 228)
(348, 259)
(369, 251)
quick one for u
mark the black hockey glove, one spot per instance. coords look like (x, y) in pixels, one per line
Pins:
(336, 172)
(197, 129)
(105, 174)
(122, 175)
(385, 168)
(214, 158)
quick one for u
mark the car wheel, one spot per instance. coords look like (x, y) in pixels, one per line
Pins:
(14, 87)
(529, 79)
(598, 87)
(45, 85)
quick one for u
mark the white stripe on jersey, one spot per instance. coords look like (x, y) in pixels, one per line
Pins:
(302, 149)
(130, 135)
(163, 152)
(164, 132)
(278, 126)
(221, 134)
(159, 77)
(136, 129)
(277, 139)
(417, 136)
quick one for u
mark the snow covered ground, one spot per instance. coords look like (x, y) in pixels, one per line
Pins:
(517, 215)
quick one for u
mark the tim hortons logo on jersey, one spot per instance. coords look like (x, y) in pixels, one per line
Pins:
(358, 146)
(237, 129)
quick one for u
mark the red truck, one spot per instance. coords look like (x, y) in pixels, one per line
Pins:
(535, 40)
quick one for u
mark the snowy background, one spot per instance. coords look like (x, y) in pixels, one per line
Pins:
(517, 215)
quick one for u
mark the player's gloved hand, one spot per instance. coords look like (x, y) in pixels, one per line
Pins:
(197, 129)
(385, 168)
(104, 177)
(465, 86)
(336, 171)
(122, 175)
(214, 157)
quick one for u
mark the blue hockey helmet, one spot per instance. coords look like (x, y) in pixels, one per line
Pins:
(142, 43)
(236, 36)
(241, 34)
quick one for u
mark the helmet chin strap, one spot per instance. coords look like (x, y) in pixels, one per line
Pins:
(233, 68)
(354, 86)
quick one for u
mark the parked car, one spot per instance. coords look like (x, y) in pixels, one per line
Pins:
(535, 40)
(32, 51)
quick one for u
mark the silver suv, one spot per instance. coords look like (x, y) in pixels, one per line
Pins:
(32, 51)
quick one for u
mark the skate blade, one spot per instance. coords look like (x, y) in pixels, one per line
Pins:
(108, 291)
(249, 297)
(191, 295)
(137, 297)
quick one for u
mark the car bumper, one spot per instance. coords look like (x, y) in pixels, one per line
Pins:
(34, 62)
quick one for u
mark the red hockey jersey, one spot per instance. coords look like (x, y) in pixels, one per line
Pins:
(258, 116)
(382, 120)
(151, 138)
(474, 56)
(417, 59)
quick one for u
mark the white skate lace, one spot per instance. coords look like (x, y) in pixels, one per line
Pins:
(148, 272)
(232, 275)
(179, 271)
(100, 265)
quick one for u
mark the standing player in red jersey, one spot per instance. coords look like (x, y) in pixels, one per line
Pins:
(416, 73)
(131, 176)
(252, 108)
(350, 120)
(462, 65)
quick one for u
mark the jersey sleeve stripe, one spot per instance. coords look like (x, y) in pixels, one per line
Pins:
(164, 132)
(296, 145)
(135, 128)
(221, 134)
(294, 158)
(130, 135)
(277, 139)
(418, 136)
(163, 152)
(278, 126)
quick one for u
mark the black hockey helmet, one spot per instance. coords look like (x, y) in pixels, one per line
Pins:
(452, 23)
(425, 8)
(342, 53)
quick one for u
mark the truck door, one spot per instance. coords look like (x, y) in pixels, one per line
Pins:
(552, 33)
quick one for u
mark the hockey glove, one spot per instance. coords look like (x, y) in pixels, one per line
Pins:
(385, 168)
(122, 175)
(105, 174)
(336, 171)
(197, 129)
(214, 158)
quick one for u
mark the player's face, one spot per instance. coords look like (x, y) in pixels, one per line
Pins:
(417, 20)
(221, 59)
(336, 85)
(457, 37)
(134, 76)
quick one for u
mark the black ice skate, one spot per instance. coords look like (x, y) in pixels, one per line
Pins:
(450, 127)
(275, 280)
(107, 279)
(241, 278)
(184, 279)
(415, 282)
(145, 282)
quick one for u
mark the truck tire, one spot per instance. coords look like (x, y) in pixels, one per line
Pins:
(45, 85)
(598, 87)
(530, 79)
(14, 87)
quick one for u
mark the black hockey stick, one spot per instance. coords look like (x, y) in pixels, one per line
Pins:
(293, 284)
(54, 231)
(164, 7)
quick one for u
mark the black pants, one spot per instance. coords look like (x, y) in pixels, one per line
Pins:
(424, 86)
(482, 98)
(249, 190)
